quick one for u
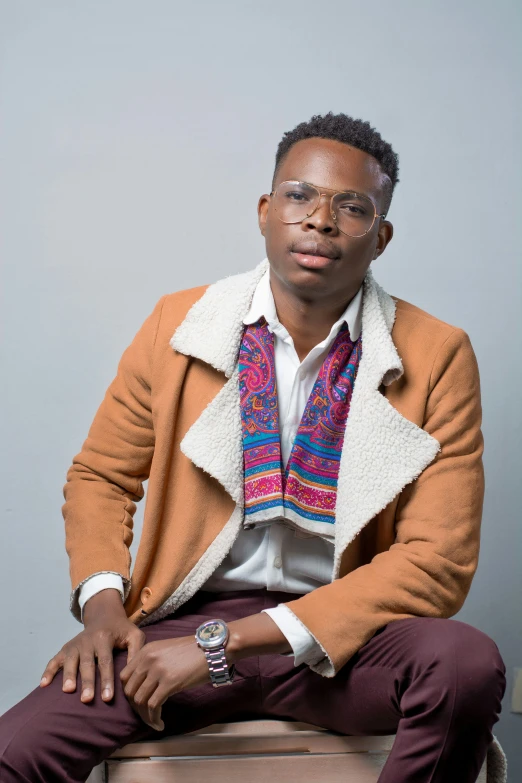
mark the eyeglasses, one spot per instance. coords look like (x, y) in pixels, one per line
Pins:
(353, 213)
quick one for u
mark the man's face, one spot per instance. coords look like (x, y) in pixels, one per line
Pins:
(340, 167)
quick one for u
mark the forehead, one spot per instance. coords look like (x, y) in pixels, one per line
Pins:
(334, 165)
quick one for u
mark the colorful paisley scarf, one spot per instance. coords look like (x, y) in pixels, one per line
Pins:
(303, 494)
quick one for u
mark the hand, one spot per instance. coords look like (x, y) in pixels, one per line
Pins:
(159, 670)
(166, 667)
(106, 628)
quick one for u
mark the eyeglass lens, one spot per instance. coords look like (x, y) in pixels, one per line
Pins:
(295, 201)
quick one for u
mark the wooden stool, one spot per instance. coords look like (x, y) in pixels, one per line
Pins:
(259, 751)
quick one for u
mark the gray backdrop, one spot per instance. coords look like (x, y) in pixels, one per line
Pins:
(124, 122)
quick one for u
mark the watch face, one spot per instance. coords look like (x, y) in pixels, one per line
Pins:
(212, 634)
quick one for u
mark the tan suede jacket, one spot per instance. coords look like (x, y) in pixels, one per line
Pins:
(411, 480)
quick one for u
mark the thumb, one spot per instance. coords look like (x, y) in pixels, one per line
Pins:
(135, 642)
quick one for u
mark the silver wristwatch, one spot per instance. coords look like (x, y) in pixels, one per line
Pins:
(212, 637)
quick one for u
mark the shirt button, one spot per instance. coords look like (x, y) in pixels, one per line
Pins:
(278, 562)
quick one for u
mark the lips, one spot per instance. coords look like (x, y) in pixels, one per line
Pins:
(315, 249)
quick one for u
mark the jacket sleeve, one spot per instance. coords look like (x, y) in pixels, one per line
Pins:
(105, 480)
(427, 571)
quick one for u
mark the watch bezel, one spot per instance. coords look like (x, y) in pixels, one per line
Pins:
(212, 644)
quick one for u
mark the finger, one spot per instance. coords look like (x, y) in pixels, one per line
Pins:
(142, 696)
(134, 682)
(143, 713)
(155, 704)
(128, 670)
(70, 669)
(87, 674)
(135, 642)
(132, 665)
(54, 666)
(105, 658)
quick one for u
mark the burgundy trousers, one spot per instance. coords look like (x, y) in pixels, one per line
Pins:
(437, 683)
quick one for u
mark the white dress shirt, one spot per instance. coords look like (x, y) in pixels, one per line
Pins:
(276, 557)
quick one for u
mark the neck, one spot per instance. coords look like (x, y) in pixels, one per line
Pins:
(308, 322)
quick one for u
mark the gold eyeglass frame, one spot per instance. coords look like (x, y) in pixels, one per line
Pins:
(334, 193)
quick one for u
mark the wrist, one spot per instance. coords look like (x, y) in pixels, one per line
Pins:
(106, 603)
(257, 634)
(212, 637)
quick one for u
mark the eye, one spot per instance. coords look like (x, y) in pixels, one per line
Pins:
(353, 209)
(295, 195)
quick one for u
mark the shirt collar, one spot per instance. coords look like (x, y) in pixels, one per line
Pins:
(263, 305)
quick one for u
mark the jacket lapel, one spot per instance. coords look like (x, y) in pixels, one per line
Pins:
(215, 441)
(382, 452)
(212, 331)
(213, 327)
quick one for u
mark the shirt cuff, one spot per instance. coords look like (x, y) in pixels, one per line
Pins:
(305, 647)
(95, 584)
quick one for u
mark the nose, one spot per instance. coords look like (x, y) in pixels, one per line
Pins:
(321, 218)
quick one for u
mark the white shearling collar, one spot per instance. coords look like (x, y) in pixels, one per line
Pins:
(382, 450)
(213, 327)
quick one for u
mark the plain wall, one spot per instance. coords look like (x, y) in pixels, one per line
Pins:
(135, 141)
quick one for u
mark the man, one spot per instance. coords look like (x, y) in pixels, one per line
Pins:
(314, 456)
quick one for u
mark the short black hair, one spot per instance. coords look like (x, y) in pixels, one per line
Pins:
(356, 133)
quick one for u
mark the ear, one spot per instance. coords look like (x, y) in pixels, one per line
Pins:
(262, 211)
(384, 236)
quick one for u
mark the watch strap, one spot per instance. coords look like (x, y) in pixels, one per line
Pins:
(220, 673)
